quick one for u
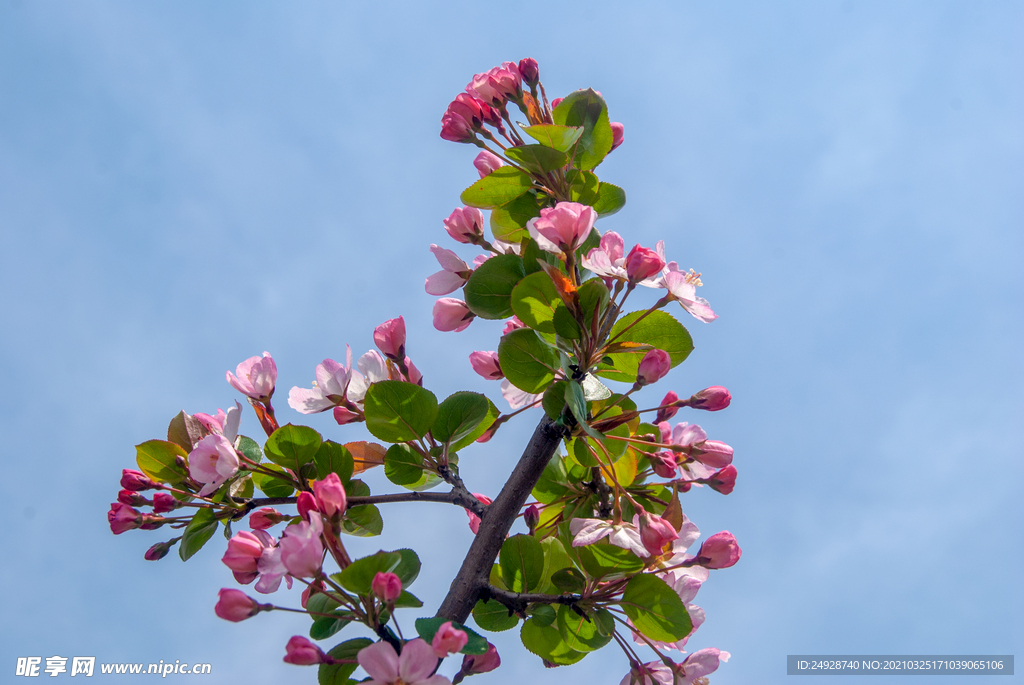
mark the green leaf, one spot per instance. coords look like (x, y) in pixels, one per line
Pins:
(533, 255)
(481, 428)
(198, 531)
(584, 187)
(569, 580)
(158, 459)
(273, 487)
(427, 627)
(655, 608)
(593, 296)
(554, 400)
(555, 559)
(565, 325)
(587, 109)
(489, 290)
(527, 361)
(522, 563)
(338, 674)
(250, 448)
(292, 446)
(499, 187)
(542, 614)
(534, 301)
(552, 484)
(577, 403)
(397, 411)
(539, 159)
(546, 642)
(658, 329)
(509, 220)
(333, 458)
(363, 521)
(404, 466)
(459, 415)
(408, 568)
(555, 136)
(580, 633)
(407, 600)
(610, 199)
(358, 576)
(493, 616)
(603, 559)
(325, 626)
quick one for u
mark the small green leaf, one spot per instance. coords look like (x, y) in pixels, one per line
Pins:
(555, 560)
(459, 415)
(325, 626)
(198, 531)
(587, 109)
(158, 459)
(481, 428)
(428, 627)
(539, 159)
(583, 187)
(363, 521)
(271, 486)
(292, 446)
(580, 633)
(497, 188)
(552, 484)
(593, 296)
(565, 325)
(603, 559)
(534, 301)
(493, 616)
(333, 458)
(522, 563)
(610, 199)
(655, 608)
(250, 448)
(542, 614)
(546, 642)
(408, 568)
(404, 466)
(407, 600)
(569, 580)
(554, 400)
(555, 136)
(338, 674)
(397, 411)
(527, 361)
(489, 290)
(508, 221)
(657, 329)
(358, 576)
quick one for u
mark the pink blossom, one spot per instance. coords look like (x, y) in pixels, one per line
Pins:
(486, 162)
(330, 495)
(530, 71)
(497, 85)
(243, 554)
(607, 260)
(456, 129)
(136, 481)
(516, 398)
(452, 315)
(664, 464)
(474, 520)
(235, 605)
(486, 364)
(723, 480)
(389, 337)
(563, 228)
(453, 274)
(305, 503)
(682, 287)
(625, 535)
(465, 225)
(719, 551)
(642, 264)
(329, 388)
(264, 518)
(618, 134)
(473, 664)
(666, 412)
(271, 570)
(701, 663)
(212, 462)
(302, 652)
(512, 324)
(653, 367)
(655, 532)
(164, 502)
(387, 586)
(714, 398)
(372, 369)
(413, 667)
(448, 640)
(302, 550)
(255, 377)
(651, 673)
(122, 517)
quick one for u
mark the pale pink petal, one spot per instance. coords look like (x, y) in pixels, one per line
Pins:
(687, 434)
(515, 397)
(308, 400)
(417, 661)
(443, 283)
(448, 260)
(613, 246)
(380, 661)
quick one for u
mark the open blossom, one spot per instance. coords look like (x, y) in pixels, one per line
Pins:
(235, 605)
(389, 337)
(451, 314)
(328, 389)
(301, 652)
(413, 667)
(516, 398)
(486, 364)
(302, 550)
(625, 535)
(486, 162)
(448, 640)
(453, 274)
(465, 224)
(712, 454)
(255, 377)
(563, 228)
(683, 288)
(497, 85)
(371, 369)
(607, 260)
(212, 462)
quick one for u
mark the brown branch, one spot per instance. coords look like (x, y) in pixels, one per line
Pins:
(517, 602)
(497, 520)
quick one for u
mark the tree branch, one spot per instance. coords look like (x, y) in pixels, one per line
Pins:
(459, 497)
(497, 520)
(517, 602)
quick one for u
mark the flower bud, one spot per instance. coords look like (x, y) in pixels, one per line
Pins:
(387, 586)
(158, 551)
(723, 480)
(465, 224)
(719, 551)
(136, 481)
(343, 416)
(451, 314)
(473, 664)
(448, 640)
(414, 376)
(511, 325)
(714, 398)
(642, 263)
(486, 364)
(390, 338)
(302, 652)
(486, 162)
(653, 367)
(667, 412)
(618, 133)
(712, 453)
(555, 102)
(122, 517)
(316, 587)
(330, 495)
(164, 502)
(264, 518)
(529, 70)
(243, 553)
(531, 517)
(456, 129)
(656, 532)
(235, 605)
(131, 498)
(664, 464)
(474, 520)
(305, 503)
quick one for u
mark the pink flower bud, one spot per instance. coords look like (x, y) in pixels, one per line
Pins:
(158, 551)
(664, 464)
(343, 416)
(656, 532)
(317, 586)
(244, 551)
(486, 162)
(414, 376)
(529, 70)
(387, 586)
(255, 377)
(465, 224)
(531, 517)
(302, 652)
(136, 481)
(473, 664)
(555, 102)
(714, 398)
(562, 228)
(642, 263)
(512, 324)
(456, 129)
(618, 133)
(131, 498)
(235, 605)
(486, 364)
(719, 551)
(448, 640)
(712, 453)
(653, 367)
(666, 412)
(390, 338)
(122, 517)
(452, 315)
(474, 520)
(468, 108)
(723, 480)
(264, 518)
(330, 495)
(164, 502)
(305, 502)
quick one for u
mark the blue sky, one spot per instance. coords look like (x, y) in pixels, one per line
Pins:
(185, 185)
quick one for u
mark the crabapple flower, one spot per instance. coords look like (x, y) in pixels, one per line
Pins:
(486, 162)
(607, 260)
(164, 502)
(651, 673)
(666, 412)
(157, 551)
(516, 398)
(625, 535)
(271, 571)
(302, 652)
(330, 495)
(655, 532)
(329, 388)
(474, 520)
(664, 464)
(235, 605)
(264, 518)
(618, 134)
(563, 228)
(389, 337)
(465, 225)
(529, 70)
(136, 481)
(512, 324)
(451, 314)
(497, 85)
(255, 377)
(244, 552)
(486, 364)
(305, 503)
(387, 586)
(122, 517)
(473, 664)
(413, 667)
(372, 369)
(642, 264)
(682, 287)
(212, 462)
(302, 550)
(456, 129)
(448, 640)
(723, 480)
(453, 274)
(719, 551)
(714, 398)
(701, 663)
(653, 367)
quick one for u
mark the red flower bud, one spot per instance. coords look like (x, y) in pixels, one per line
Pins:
(481, 663)
(164, 502)
(667, 412)
(306, 503)
(719, 551)
(653, 367)
(618, 134)
(390, 338)
(387, 586)
(302, 652)
(136, 481)
(158, 551)
(723, 480)
(656, 532)
(529, 70)
(122, 517)
(235, 605)
(714, 398)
